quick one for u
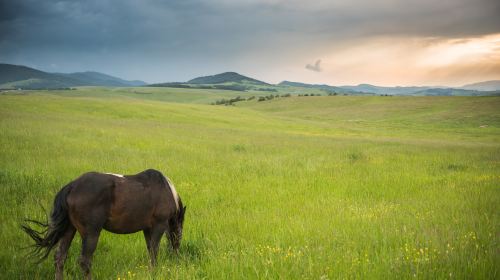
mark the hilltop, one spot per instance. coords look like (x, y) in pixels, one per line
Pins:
(484, 86)
(100, 79)
(386, 90)
(223, 81)
(325, 88)
(18, 76)
(226, 77)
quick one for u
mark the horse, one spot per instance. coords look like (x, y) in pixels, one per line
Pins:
(121, 204)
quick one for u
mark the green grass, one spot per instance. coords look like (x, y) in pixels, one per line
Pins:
(293, 188)
(178, 95)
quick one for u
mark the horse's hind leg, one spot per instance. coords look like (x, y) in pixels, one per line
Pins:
(62, 251)
(89, 244)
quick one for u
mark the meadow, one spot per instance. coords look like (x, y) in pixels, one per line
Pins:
(323, 187)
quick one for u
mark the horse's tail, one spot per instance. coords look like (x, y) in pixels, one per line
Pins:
(47, 238)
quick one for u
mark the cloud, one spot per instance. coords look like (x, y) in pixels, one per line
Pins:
(178, 39)
(415, 61)
(316, 67)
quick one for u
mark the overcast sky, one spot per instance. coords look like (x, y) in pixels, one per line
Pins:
(384, 42)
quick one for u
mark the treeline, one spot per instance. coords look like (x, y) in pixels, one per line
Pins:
(270, 97)
(222, 87)
(231, 101)
(37, 88)
(266, 89)
(319, 94)
(233, 87)
(228, 102)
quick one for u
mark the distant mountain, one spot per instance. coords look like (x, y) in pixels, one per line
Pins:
(484, 86)
(385, 90)
(224, 86)
(227, 77)
(326, 88)
(223, 81)
(11, 73)
(487, 88)
(17, 76)
(412, 90)
(447, 92)
(236, 82)
(100, 79)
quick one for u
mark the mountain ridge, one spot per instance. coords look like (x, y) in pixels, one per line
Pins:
(327, 88)
(225, 77)
(402, 90)
(386, 90)
(484, 86)
(20, 76)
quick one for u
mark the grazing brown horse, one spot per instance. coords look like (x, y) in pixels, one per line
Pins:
(121, 204)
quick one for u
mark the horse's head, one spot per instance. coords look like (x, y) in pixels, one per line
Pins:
(175, 228)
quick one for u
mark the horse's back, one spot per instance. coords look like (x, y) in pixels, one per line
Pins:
(97, 188)
(92, 184)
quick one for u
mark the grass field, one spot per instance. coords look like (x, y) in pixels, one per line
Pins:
(332, 187)
(177, 95)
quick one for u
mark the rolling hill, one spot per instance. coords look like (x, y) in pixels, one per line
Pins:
(226, 77)
(18, 76)
(237, 82)
(223, 81)
(325, 88)
(477, 89)
(484, 86)
(100, 79)
(449, 92)
(385, 90)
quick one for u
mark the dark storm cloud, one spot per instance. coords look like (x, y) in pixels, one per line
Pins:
(173, 40)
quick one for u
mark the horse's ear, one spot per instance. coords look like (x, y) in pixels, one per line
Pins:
(181, 213)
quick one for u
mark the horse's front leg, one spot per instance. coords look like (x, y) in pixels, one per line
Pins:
(147, 238)
(155, 234)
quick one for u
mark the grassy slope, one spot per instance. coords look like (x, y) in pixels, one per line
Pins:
(408, 117)
(177, 95)
(307, 187)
